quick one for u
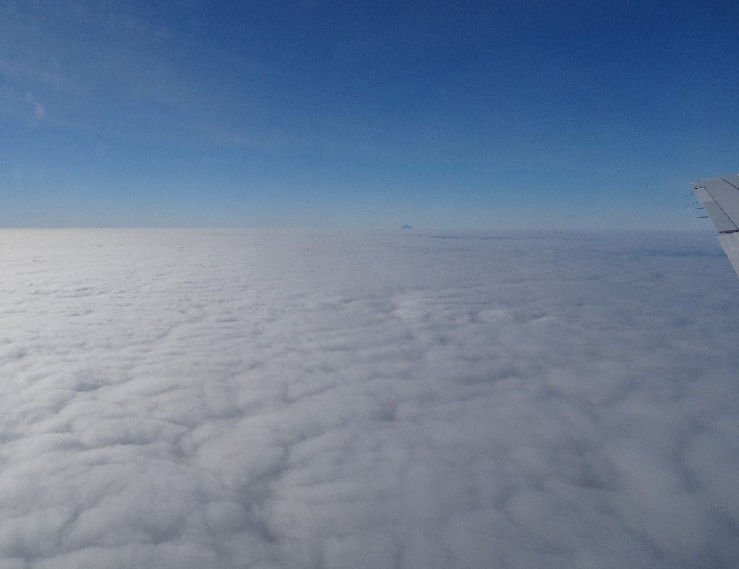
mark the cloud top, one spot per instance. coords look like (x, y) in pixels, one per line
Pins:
(294, 399)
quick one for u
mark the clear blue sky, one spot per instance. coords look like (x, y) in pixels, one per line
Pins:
(364, 114)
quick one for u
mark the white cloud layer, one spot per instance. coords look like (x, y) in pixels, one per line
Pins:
(267, 399)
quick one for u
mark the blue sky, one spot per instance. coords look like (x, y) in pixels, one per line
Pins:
(581, 114)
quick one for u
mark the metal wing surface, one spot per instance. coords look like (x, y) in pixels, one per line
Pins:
(720, 198)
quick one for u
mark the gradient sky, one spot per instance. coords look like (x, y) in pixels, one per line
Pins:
(498, 114)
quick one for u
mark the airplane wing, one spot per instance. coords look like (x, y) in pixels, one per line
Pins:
(720, 198)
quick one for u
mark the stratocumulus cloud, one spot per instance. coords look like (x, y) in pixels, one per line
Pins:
(286, 399)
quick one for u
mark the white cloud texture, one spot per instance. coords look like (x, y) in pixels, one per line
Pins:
(291, 399)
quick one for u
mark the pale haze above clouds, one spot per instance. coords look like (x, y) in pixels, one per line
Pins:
(307, 400)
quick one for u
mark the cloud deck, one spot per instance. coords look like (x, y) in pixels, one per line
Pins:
(290, 399)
